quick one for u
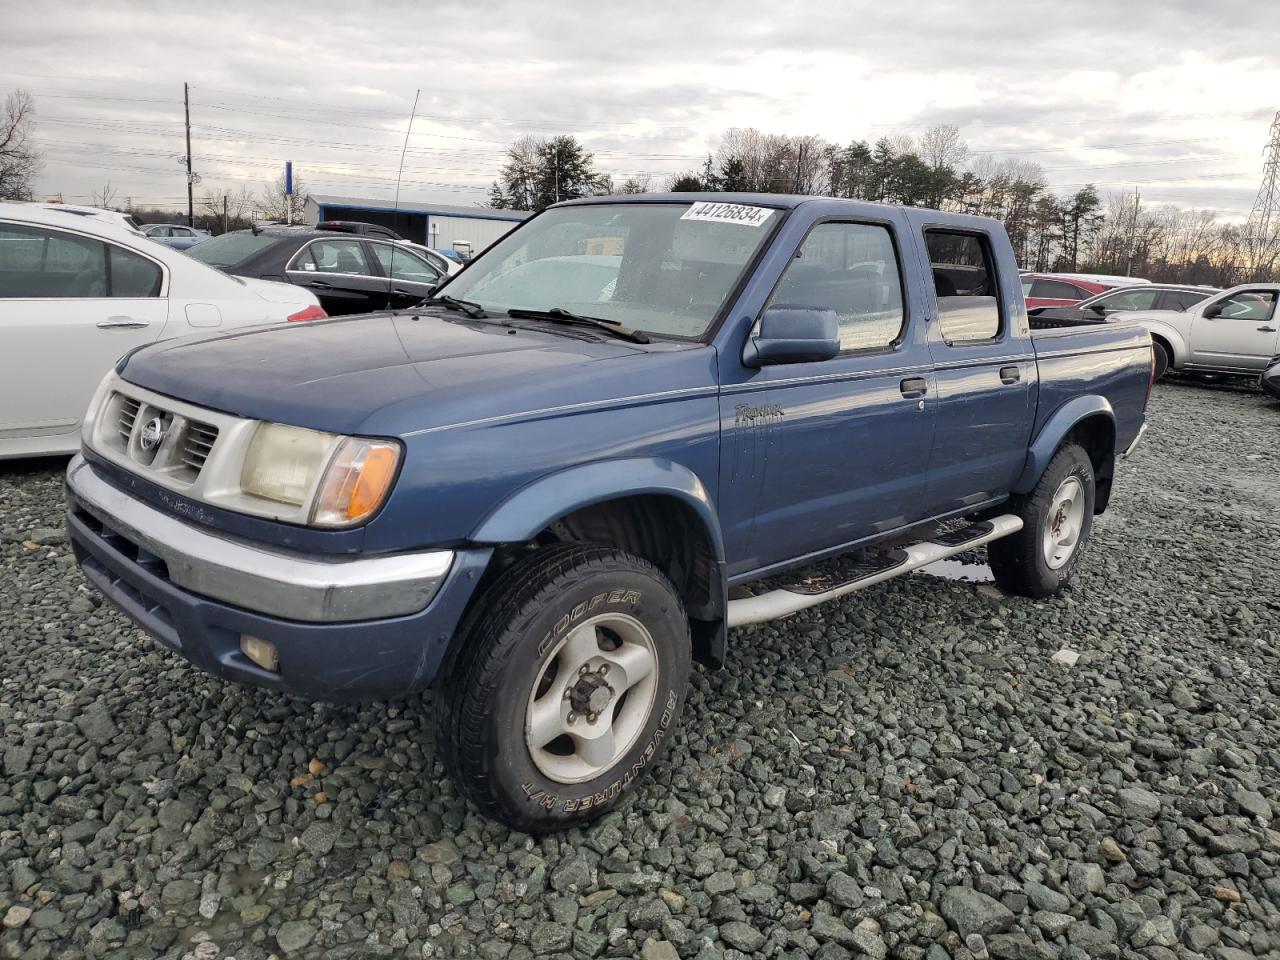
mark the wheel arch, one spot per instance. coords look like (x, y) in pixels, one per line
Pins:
(653, 508)
(1171, 339)
(1088, 421)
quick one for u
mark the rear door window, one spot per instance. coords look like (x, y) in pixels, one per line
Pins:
(336, 256)
(964, 283)
(231, 249)
(1181, 300)
(38, 262)
(1055, 290)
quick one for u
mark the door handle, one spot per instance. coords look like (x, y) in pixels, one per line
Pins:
(1010, 375)
(122, 322)
(1267, 328)
(914, 387)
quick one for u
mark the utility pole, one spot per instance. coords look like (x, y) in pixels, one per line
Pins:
(191, 204)
(1133, 229)
(225, 228)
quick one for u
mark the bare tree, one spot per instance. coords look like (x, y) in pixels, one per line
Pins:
(272, 203)
(638, 184)
(942, 148)
(105, 197)
(19, 162)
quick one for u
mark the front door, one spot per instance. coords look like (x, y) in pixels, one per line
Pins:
(340, 274)
(820, 454)
(985, 373)
(70, 307)
(1236, 332)
(413, 279)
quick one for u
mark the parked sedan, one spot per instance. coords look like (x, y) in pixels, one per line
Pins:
(1146, 296)
(1047, 290)
(175, 235)
(77, 293)
(348, 273)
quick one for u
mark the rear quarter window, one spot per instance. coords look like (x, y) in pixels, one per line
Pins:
(964, 283)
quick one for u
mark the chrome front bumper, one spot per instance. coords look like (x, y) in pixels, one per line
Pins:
(286, 585)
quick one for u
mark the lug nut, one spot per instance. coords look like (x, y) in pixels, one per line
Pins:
(568, 693)
(573, 717)
(583, 669)
(604, 668)
(591, 718)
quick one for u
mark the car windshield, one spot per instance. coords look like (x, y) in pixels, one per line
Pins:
(663, 268)
(230, 249)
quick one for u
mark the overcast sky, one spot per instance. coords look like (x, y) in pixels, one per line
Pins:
(1174, 98)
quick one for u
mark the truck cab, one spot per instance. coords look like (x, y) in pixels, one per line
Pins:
(630, 425)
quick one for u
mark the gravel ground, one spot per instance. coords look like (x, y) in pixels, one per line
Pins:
(910, 773)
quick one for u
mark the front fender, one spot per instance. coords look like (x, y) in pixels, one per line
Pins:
(1170, 335)
(533, 508)
(1054, 431)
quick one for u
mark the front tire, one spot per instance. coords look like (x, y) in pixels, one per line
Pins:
(1057, 517)
(569, 684)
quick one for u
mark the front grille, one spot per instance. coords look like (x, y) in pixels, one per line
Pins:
(128, 416)
(198, 442)
(157, 440)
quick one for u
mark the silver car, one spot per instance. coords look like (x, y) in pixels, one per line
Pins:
(174, 235)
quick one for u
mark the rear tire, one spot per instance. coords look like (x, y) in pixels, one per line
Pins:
(569, 683)
(1160, 360)
(1057, 517)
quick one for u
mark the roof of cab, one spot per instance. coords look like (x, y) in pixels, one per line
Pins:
(789, 201)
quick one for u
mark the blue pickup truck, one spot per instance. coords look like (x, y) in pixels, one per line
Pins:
(631, 424)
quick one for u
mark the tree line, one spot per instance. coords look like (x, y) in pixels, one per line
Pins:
(1080, 232)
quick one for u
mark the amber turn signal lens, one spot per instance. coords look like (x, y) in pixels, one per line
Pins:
(356, 482)
(373, 481)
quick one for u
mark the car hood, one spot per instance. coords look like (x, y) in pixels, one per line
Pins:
(389, 374)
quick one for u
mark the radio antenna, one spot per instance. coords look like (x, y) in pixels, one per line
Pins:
(395, 210)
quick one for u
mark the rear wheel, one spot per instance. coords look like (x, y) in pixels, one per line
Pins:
(1160, 359)
(569, 684)
(1057, 517)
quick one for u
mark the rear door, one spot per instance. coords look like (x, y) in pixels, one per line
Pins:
(820, 454)
(984, 369)
(70, 306)
(1236, 332)
(341, 274)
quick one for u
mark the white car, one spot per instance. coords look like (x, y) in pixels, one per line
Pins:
(1233, 332)
(77, 293)
(124, 220)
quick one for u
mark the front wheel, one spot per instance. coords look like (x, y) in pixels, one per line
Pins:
(568, 685)
(1057, 517)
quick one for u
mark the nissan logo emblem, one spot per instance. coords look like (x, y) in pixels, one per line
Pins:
(152, 434)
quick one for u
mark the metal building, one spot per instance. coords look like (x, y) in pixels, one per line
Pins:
(431, 224)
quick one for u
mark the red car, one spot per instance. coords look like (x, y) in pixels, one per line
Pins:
(1050, 290)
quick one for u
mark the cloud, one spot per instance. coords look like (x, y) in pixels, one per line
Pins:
(648, 87)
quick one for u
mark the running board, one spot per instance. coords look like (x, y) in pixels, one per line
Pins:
(783, 602)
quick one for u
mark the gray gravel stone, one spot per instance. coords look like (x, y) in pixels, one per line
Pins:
(969, 911)
(857, 761)
(742, 936)
(294, 936)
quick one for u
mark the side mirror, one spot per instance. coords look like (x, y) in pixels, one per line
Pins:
(793, 334)
(1212, 311)
(1099, 309)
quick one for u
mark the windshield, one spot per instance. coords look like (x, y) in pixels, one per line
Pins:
(664, 268)
(230, 249)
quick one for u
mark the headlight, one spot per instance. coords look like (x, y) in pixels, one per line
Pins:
(345, 479)
(283, 462)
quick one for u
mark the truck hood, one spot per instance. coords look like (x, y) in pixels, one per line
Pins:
(390, 374)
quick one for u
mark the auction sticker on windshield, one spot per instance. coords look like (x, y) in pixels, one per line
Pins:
(727, 213)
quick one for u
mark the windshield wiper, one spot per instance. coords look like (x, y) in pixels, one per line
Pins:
(469, 307)
(561, 315)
